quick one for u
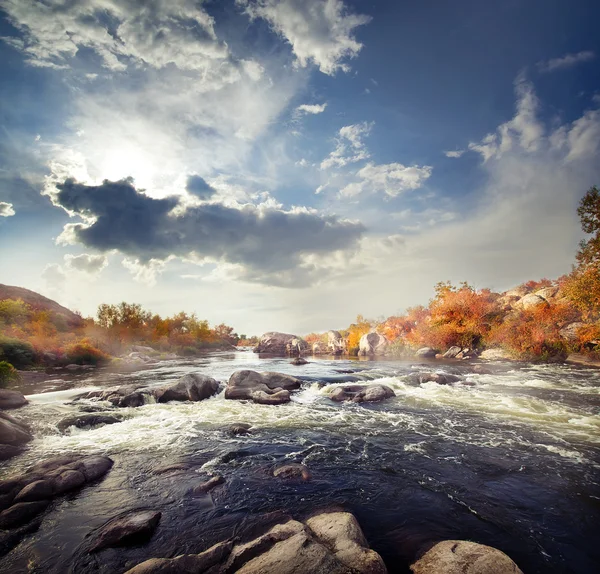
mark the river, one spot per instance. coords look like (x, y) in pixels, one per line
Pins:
(510, 458)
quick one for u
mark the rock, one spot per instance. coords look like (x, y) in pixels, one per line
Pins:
(38, 490)
(569, 332)
(547, 293)
(131, 528)
(94, 467)
(87, 420)
(239, 429)
(519, 292)
(336, 343)
(68, 480)
(461, 557)
(8, 451)
(293, 471)
(372, 344)
(186, 563)
(298, 361)
(361, 393)
(530, 301)
(207, 486)
(317, 349)
(10, 540)
(10, 399)
(495, 355)
(263, 388)
(135, 399)
(426, 353)
(12, 431)
(467, 353)
(191, 387)
(169, 468)
(281, 344)
(428, 377)
(452, 352)
(22, 512)
(142, 349)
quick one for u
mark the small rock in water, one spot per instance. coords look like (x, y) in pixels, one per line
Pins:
(362, 393)
(87, 420)
(207, 486)
(240, 429)
(132, 528)
(294, 471)
(298, 361)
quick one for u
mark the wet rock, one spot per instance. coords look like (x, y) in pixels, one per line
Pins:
(263, 388)
(426, 353)
(68, 480)
(9, 451)
(21, 513)
(207, 486)
(481, 370)
(186, 563)
(12, 431)
(10, 399)
(191, 387)
(94, 467)
(87, 420)
(461, 557)
(38, 490)
(427, 377)
(11, 539)
(298, 361)
(281, 344)
(336, 344)
(237, 429)
(135, 399)
(372, 344)
(495, 355)
(293, 471)
(131, 528)
(170, 468)
(362, 393)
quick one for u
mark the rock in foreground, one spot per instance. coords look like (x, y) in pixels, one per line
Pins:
(262, 388)
(362, 393)
(12, 431)
(326, 543)
(461, 557)
(11, 399)
(131, 528)
(281, 344)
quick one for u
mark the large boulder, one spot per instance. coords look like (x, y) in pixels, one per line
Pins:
(336, 343)
(10, 399)
(12, 431)
(327, 543)
(462, 557)
(530, 301)
(263, 388)
(281, 344)
(426, 353)
(372, 344)
(191, 387)
(495, 354)
(547, 293)
(130, 528)
(361, 393)
(569, 332)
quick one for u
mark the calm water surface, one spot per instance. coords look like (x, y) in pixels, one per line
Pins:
(510, 459)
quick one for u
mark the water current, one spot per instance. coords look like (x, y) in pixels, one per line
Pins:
(509, 456)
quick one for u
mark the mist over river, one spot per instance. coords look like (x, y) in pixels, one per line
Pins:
(510, 459)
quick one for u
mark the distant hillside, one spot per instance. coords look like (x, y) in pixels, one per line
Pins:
(40, 303)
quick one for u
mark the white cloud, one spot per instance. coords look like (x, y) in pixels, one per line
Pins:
(566, 61)
(86, 263)
(319, 31)
(350, 147)
(391, 179)
(524, 129)
(6, 209)
(310, 109)
(454, 153)
(146, 273)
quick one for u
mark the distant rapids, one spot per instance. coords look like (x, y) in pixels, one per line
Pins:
(510, 459)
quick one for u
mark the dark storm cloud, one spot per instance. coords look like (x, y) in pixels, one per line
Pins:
(265, 240)
(198, 187)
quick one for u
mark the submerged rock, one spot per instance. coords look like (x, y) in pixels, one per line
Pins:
(427, 377)
(207, 486)
(327, 543)
(263, 388)
(10, 399)
(293, 471)
(191, 387)
(462, 557)
(9, 451)
(87, 420)
(298, 361)
(281, 344)
(372, 344)
(131, 528)
(362, 393)
(237, 429)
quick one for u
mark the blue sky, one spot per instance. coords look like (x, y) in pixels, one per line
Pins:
(287, 164)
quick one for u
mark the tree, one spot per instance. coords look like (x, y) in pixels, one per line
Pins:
(589, 215)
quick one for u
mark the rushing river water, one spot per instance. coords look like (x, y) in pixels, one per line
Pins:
(510, 458)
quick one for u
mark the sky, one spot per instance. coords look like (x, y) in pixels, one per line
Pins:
(288, 164)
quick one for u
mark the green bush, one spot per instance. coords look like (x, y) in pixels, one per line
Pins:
(20, 354)
(7, 374)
